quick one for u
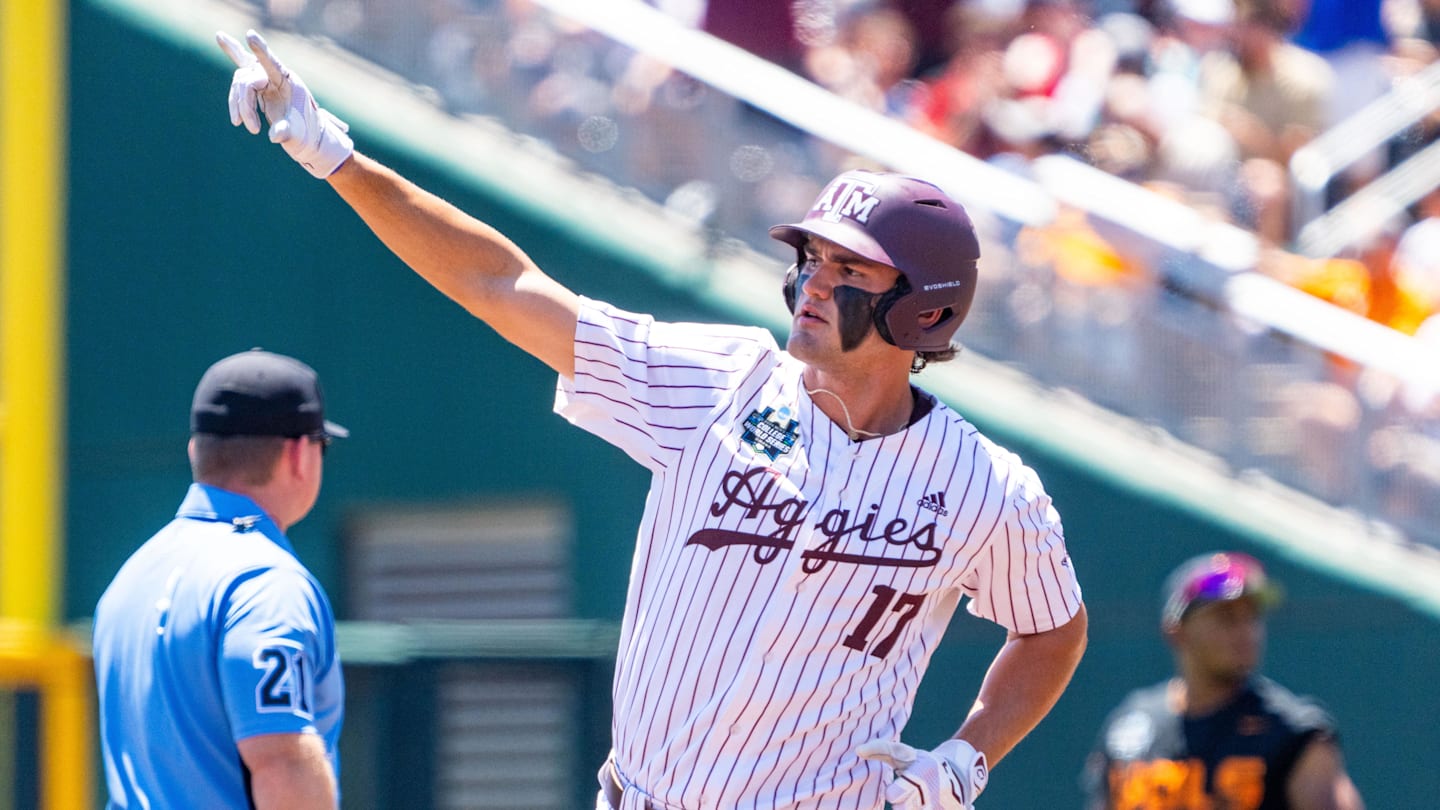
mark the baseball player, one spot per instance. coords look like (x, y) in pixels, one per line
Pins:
(1218, 735)
(218, 681)
(814, 519)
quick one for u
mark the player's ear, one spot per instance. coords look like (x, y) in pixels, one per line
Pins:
(296, 457)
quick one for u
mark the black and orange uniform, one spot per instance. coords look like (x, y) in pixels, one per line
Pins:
(1239, 757)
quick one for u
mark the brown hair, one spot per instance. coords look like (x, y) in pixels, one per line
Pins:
(248, 460)
(923, 359)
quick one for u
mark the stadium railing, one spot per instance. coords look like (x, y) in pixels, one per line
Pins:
(1316, 164)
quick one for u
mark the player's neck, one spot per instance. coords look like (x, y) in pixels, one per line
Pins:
(1197, 696)
(864, 406)
(272, 498)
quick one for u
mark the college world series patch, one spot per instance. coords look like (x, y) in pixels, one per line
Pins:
(771, 432)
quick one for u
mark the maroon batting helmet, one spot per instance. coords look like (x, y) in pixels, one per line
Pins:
(912, 226)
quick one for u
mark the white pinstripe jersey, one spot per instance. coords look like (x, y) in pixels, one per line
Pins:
(789, 585)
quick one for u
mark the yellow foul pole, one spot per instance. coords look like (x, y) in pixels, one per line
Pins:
(32, 144)
(32, 137)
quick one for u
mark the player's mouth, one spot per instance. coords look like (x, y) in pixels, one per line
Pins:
(807, 313)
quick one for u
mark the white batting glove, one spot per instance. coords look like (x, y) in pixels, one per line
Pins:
(948, 778)
(312, 136)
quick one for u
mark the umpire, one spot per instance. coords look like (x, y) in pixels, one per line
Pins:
(218, 681)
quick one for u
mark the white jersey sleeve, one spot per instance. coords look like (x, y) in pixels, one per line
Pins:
(818, 573)
(1023, 580)
(645, 386)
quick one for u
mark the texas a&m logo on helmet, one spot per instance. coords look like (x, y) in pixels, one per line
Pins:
(847, 197)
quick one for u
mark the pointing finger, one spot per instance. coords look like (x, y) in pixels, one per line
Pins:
(233, 49)
(261, 48)
(242, 96)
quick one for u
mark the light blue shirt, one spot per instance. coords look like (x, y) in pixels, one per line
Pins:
(210, 633)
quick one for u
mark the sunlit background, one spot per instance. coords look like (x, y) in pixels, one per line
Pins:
(1207, 316)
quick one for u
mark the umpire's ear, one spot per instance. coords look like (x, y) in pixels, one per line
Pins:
(304, 457)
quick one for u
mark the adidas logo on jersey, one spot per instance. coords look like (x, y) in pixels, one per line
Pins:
(935, 503)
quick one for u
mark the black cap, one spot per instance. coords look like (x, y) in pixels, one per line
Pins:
(259, 393)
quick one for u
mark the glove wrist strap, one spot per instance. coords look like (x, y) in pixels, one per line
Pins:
(332, 147)
(969, 764)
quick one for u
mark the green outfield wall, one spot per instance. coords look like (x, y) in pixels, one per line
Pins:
(189, 240)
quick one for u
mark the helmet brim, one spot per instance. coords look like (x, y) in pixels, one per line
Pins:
(841, 233)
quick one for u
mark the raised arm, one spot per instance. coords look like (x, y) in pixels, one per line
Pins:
(465, 259)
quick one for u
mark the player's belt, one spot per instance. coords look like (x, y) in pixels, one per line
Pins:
(610, 784)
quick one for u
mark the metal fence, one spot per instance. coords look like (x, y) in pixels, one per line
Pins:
(491, 715)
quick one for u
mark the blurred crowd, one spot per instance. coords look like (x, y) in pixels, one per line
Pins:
(1205, 102)
(1202, 101)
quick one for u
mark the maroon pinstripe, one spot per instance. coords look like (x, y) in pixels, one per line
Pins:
(783, 610)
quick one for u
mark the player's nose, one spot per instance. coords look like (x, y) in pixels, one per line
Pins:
(820, 281)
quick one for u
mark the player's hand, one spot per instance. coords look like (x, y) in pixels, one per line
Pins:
(312, 136)
(948, 778)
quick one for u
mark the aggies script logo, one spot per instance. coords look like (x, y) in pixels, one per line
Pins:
(751, 493)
